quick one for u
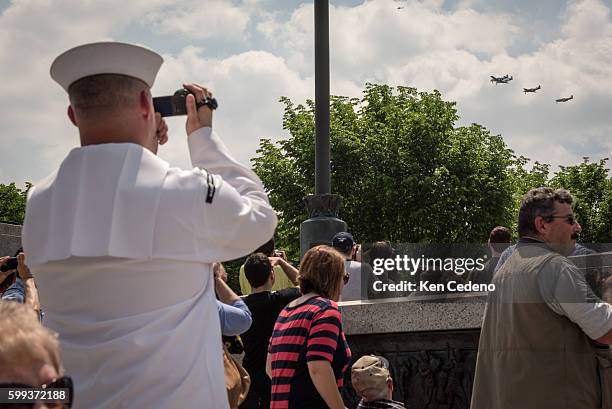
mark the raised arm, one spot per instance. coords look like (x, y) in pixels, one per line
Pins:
(31, 292)
(234, 314)
(224, 292)
(236, 215)
(290, 271)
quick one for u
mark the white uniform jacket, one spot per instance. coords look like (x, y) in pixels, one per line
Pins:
(121, 246)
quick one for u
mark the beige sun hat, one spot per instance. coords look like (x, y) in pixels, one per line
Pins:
(106, 58)
(369, 375)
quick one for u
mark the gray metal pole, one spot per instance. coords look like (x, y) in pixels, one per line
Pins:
(323, 207)
(322, 155)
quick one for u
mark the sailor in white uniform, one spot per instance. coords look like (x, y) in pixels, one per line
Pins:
(122, 244)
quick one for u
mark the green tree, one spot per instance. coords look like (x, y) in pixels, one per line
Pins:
(591, 187)
(13, 202)
(405, 171)
(523, 180)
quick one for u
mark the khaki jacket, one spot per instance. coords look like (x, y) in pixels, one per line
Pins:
(529, 357)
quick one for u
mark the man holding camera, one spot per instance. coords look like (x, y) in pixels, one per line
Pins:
(23, 289)
(122, 244)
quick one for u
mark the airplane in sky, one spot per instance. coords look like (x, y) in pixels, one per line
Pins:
(526, 90)
(564, 99)
(501, 80)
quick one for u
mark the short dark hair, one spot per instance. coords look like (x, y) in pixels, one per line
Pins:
(104, 93)
(381, 249)
(267, 248)
(500, 238)
(257, 269)
(539, 202)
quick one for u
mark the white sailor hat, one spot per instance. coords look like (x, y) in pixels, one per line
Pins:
(106, 58)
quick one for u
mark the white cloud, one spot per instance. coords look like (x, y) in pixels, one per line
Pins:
(466, 4)
(374, 33)
(422, 45)
(586, 20)
(202, 20)
(35, 129)
(454, 73)
(248, 87)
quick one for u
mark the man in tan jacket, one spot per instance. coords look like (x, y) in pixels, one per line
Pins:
(542, 322)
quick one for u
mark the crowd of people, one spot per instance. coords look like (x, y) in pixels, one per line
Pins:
(126, 252)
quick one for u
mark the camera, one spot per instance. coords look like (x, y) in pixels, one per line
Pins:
(173, 105)
(9, 264)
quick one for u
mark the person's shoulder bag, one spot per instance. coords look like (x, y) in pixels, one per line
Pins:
(237, 380)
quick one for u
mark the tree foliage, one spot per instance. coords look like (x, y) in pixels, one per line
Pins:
(405, 171)
(13, 202)
(591, 187)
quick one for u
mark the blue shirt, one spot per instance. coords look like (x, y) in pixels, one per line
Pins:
(235, 319)
(16, 292)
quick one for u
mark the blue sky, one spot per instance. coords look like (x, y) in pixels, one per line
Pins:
(251, 52)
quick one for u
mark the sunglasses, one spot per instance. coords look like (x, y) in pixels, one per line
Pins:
(346, 278)
(61, 400)
(569, 219)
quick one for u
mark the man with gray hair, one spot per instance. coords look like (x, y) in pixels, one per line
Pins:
(537, 344)
(122, 244)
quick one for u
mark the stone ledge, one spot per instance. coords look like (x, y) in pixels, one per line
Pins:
(425, 313)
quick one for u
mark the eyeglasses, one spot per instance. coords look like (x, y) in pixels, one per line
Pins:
(569, 219)
(346, 278)
(62, 402)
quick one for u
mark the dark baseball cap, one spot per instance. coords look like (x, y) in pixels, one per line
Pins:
(343, 240)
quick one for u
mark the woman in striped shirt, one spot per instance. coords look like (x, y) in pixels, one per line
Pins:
(308, 353)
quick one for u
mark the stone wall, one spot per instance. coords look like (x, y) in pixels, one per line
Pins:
(10, 238)
(431, 343)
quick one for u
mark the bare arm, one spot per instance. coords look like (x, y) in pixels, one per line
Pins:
(225, 293)
(31, 292)
(269, 365)
(606, 339)
(324, 380)
(289, 270)
(31, 295)
(236, 216)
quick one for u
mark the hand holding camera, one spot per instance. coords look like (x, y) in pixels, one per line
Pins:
(173, 105)
(22, 269)
(8, 264)
(219, 271)
(193, 100)
(280, 253)
(7, 271)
